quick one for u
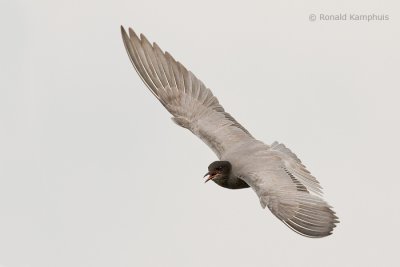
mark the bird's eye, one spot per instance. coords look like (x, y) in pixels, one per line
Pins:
(219, 169)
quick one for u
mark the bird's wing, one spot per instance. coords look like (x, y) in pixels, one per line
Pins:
(292, 194)
(191, 103)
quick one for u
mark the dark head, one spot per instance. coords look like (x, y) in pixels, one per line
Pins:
(218, 170)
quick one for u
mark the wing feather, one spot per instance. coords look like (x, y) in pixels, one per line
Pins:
(296, 169)
(284, 185)
(191, 103)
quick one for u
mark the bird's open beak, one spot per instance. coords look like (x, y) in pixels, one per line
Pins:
(210, 177)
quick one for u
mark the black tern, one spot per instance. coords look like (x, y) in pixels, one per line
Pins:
(276, 174)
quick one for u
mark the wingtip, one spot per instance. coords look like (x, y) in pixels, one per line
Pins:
(132, 33)
(155, 45)
(143, 39)
(169, 56)
(123, 32)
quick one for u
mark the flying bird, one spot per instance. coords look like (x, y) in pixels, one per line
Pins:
(276, 174)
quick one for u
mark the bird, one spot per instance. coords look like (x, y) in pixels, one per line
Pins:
(278, 177)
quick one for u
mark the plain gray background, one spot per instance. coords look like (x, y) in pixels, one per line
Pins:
(94, 173)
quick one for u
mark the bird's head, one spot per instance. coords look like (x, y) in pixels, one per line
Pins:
(218, 170)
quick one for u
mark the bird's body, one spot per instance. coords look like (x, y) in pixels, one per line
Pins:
(280, 180)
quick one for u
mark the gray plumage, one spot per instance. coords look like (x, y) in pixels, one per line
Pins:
(281, 181)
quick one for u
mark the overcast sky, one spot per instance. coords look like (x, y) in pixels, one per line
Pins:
(94, 173)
